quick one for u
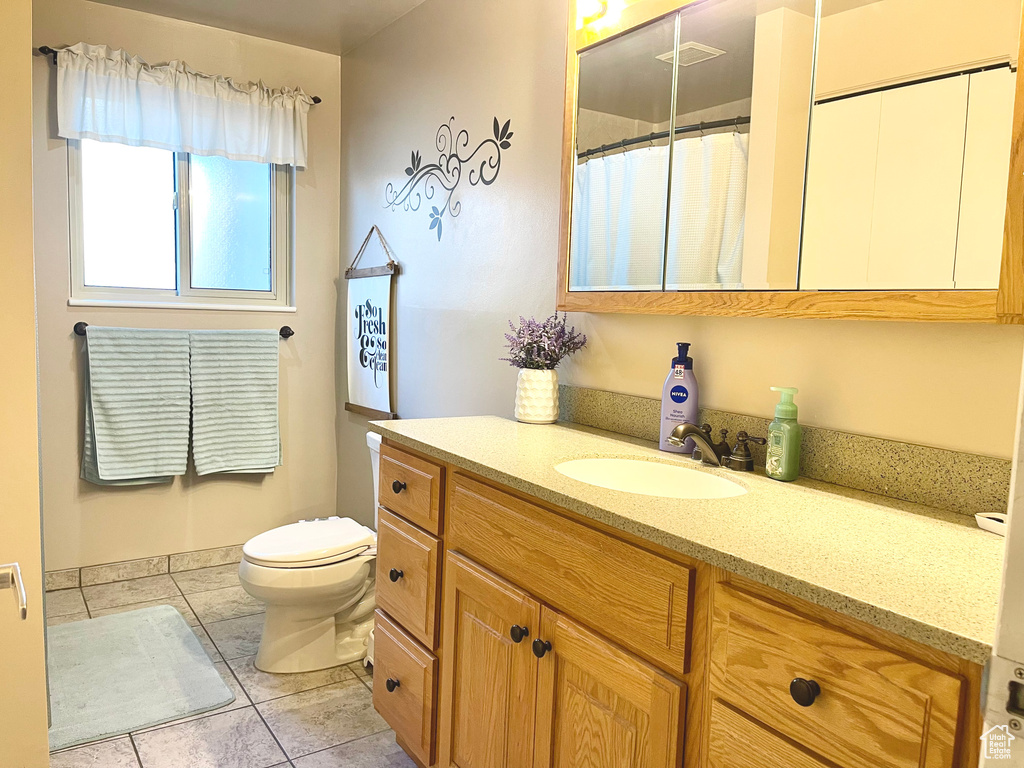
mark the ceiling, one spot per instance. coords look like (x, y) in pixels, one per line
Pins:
(624, 76)
(334, 26)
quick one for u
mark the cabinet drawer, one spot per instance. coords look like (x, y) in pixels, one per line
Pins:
(408, 570)
(628, 594)
(411, 487)
(412, 672)
(736, 741)
(875, 708)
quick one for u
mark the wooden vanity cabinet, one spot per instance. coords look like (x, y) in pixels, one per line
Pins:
(528, 637)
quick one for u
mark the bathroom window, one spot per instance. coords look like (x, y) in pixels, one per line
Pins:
(151, 226)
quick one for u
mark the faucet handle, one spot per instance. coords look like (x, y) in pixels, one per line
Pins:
(739, 458)
(742, 438)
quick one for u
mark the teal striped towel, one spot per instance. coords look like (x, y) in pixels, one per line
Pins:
(234, 401)
(136, 406)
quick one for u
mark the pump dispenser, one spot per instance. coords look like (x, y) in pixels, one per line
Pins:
(784, 436)
(679, 399)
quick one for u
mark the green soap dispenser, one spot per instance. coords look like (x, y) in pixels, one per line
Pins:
(784, 439)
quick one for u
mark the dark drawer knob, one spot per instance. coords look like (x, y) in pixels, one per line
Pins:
(540, 647)
(517, 633)
(391, 683)
(804, 692)
(398, 486)
(395, 574)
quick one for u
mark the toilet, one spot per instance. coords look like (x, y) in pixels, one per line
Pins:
(317, 579)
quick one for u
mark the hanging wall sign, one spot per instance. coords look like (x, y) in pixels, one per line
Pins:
(369, 330)
(435, 183)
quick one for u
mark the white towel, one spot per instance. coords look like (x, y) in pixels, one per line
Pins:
(136, 406)
(234, 401)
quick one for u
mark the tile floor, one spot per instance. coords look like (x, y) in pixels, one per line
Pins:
(312, 720)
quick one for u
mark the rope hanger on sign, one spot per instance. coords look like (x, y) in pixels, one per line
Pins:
(390, 268)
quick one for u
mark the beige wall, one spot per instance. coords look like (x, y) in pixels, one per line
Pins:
(943, 385)
(474, 59)
(949, 386)
(22, 671)
(893, 41)
(87, 524)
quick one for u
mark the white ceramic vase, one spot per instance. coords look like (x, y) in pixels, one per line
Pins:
(537, 396)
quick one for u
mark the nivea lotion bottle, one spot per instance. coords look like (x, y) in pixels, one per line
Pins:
(679, 399)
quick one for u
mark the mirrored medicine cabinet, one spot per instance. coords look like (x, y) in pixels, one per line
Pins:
(794, 158)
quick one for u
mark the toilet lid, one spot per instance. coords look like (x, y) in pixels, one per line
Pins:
(313, 542)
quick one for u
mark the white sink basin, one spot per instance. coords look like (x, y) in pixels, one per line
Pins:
(650, 478)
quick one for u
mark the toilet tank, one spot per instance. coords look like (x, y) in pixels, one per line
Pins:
(373, 441)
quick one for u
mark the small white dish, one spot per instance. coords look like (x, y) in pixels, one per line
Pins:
(992, 521)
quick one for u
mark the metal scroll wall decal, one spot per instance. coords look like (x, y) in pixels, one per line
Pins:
(441, 179)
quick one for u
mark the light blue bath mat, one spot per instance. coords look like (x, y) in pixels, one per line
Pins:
(127, 671)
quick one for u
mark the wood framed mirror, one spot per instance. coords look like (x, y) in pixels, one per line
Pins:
(794, 158)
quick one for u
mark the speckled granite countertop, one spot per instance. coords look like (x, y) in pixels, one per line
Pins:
(929, 576)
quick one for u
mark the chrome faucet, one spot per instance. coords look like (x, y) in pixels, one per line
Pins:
(710, 453)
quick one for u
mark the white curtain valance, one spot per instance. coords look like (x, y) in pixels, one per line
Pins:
(108, 95)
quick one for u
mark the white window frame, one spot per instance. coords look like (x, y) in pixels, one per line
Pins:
(279, 298)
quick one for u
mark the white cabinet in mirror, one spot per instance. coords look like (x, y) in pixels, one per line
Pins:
(910, 145)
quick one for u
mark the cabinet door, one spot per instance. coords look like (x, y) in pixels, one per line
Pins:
(489, 681)
(601, 707)
(979, 244)
(917, 185)
(840, 193)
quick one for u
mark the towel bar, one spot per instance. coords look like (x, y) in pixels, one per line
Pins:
(286, 331)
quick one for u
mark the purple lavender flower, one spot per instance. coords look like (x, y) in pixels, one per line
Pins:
(542, 346)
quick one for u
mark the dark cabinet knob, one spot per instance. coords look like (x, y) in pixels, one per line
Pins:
(540, 647)
(804, 692)
(395, 574)
(391, 683)
(517, 633)
(398, 486)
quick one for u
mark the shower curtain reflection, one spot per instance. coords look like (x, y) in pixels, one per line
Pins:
(709, 193)
(619, 220)
(619, 214)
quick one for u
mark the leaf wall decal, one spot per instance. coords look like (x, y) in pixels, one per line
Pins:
(441, 179)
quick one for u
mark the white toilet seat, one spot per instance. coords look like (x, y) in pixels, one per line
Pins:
(309, 543)
(330, 560)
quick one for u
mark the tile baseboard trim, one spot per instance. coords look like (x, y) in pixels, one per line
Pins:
(953, 481)
(106, 573)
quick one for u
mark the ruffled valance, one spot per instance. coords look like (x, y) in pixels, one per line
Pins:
(108, 95)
